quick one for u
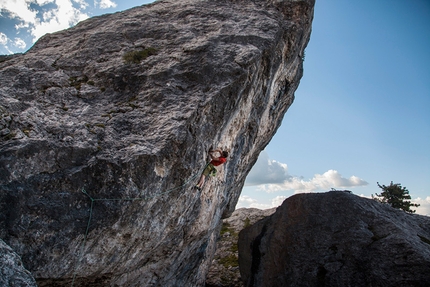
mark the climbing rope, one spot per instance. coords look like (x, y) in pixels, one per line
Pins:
(81, 253)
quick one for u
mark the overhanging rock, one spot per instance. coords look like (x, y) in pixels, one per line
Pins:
(126, 106)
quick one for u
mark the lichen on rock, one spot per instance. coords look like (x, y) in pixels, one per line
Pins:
(76, 117)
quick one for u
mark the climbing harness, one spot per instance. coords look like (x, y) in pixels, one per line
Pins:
(213, 170)
(81, 253)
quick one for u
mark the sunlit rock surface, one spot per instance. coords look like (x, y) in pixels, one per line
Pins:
(79, 113)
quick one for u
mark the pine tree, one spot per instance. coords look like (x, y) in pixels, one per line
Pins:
(396, 195)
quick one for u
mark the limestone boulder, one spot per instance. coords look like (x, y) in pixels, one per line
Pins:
(105, 128)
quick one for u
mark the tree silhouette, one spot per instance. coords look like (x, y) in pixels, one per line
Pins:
(396, 195)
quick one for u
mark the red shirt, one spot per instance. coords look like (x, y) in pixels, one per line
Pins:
(218, 162)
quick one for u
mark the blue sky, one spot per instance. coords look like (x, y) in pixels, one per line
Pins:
(362, 110)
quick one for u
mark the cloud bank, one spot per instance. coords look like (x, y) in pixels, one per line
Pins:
(3, 39)
(424, 208)
(105, 4)
(45, 16)
(35, 18)
(320, 182)
(248, 202)
(267, 171)
(273, 176)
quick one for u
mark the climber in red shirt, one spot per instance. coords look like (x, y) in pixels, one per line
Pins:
(210, 168)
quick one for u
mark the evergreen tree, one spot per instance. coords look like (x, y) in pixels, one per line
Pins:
(396, 195)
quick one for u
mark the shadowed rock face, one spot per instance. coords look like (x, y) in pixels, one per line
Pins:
(77, 115)
(12, 273)
(336, 239)
(224, 269)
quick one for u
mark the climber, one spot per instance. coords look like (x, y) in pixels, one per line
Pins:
(210, 168)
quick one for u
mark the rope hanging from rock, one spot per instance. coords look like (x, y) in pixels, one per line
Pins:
(81, 253)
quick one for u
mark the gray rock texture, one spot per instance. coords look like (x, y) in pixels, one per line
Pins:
(126, 106)
(336, 239)
(224, 269)
(12, 272)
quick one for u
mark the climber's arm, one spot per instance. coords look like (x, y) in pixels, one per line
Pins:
(214, 151)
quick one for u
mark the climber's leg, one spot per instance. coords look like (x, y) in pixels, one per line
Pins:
(201, 182)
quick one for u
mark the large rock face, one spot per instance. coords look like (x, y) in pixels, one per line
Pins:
(126, 106)
(336, 239)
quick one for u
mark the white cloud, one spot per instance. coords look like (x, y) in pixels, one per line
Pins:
(61, 17)
(3, 39)
(273, 176)
(19, 9)
(105, 4)
(43, 2)
(248, 202)
(22, 26)
(424, 208)
(266, 171)
(19, 43)
(277, 201)
(64, 16)
(83, 4)
(320, 182)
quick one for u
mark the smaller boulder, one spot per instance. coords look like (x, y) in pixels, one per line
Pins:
(336, 239)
